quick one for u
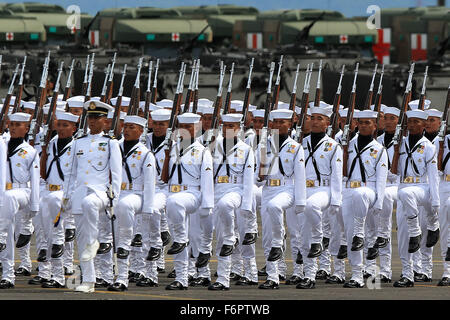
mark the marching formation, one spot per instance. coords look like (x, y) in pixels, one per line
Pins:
(123, 178)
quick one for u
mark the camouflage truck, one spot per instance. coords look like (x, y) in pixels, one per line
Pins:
(17, 31)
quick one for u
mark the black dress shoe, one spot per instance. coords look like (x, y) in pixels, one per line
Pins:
(447, 256)
(161, 270)
(299, 259)
(176, 248)
(444, 282)
(2, 247)
(22, 272)
(315, 251)
(353, 284)
(57, 251)
(23, 240)
(165, 237)
(422, 278)
(122, 253)
(414, 243)
(176, 285)
(281, 277)
(403, 283)
(200, 282)
(357, 243)
(131, 274)
(325, 243)
(215, 274)
(104, 248)
(202, 259)
(137, 277)
(5, 284)
(137, 240)
(245, 282)
(249, 238)
(234, 276)
(262, 272)
(384, 279)
(381, 242)
(52, 284)
(153, 254)
(269, 284)
(69, 235)
(117, 287)
(217, 286)
(432, 238)
(294, 280)
(306, 284)
(37, 280)
(42, 256)
(372, 253)
(226, 250)
(67, 272)
(100, 283)
(367, 275)
(334, 280)
(342, 253)
(322, 275)
(146, 282)
(172, 274)
(275, 254)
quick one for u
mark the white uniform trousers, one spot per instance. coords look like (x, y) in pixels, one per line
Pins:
(45, 268)
(355, 206)
(24, 252)
(295, 224)
(370, 237)
(413, 197)
(104, 265)
(69, 223)
(179, 206)
(196, 240)
(325, 258)
(423, 258)
(335, 243)
(444, 222)
(164, 226)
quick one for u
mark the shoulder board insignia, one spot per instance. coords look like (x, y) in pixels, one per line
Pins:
(301, 160)
(433, 161)
(338, 160)
(383, 165)
(208, 169)
(149, 165)
(249, 166)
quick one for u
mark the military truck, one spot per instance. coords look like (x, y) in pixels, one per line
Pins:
(17, 31)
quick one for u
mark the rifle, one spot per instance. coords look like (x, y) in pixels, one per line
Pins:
(69, 80)
(188, 100)
(303, 106)
(401, 126)
(276, 91)
(195, 95)
(443, 131)
(294, 92)
(82, 130)
(86, 72)
(263, 167)
(247, 94)
(48, 127)
(115, 128)
(228, 97)
(20, 89)
(333, 127)
(36, 120)
(5, 108)
(377, 103)
(135, 93)
(346, 133)
(369, 96)
(155, 83)
(148, 93)
(103, 95)
(317, 97)
(424, 85)
(109, 85)
(168, 140)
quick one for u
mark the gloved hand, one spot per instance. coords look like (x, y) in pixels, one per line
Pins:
(299, 209)
(334, 209)
(392, 178)
(66, 204)
(435, 210)
(204, 212)
(33, 214)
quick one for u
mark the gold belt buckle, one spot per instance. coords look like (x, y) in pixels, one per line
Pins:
(54, 187)
(8, 186)
(175, 188)
(223, 179)
(355, 184)
(447, 177)
(310, 183)
(408, 180)
(123, 186)
(274, 182)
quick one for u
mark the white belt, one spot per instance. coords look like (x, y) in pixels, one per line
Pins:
(316, 183)
(411, 180)
(229, 179)
(279, 182)
(15, 185)
(177, 188)
(132, 186)
(53, 187)
(358, 184)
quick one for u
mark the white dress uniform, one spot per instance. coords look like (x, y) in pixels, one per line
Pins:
(97, 165)
(419, 187)
(367, 173)
(21, 194)
(284, 187)
(444, 214)
(190, 188)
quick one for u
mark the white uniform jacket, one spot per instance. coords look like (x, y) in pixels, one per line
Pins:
(59, 165)
(3, 165)
(159, 155)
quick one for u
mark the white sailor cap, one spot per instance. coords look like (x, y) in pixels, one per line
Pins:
(258, 113)
(298, 110)
(62, 115)
(382, 107)
(283, 106)
(236, 105)
(415, 104)
(111, 114)
(434, 113)
(325, 111)
(251, 108)
(343, 113)
(308, 111)
(20, 117)
(29, 105)
(95, 98)
(59, 104)
(188, 118)
(75, 102)
(356, 113)
(95, 107)
(12, 101)
(59, 98)
(124, 103)
(136, 120)
(365, 114)
(161, 115)
(205, 102)
(392, 110)
(322, 104)
(281, 114)
(232, 117)
(46, 109)
(165, 103)
(206, 110)
(151, 106)
(417, 114)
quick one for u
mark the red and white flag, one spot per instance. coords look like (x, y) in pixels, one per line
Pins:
(254, 41)
(175, 37)
(343, 38)
(9, 36)
(381, 49)
(418, 46)
(94, 39)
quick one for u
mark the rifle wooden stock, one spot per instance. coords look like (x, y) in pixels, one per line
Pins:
(188, 100)
(4, 113)
(116, 117)
(349, 123)
(334, 115)
(226, 108)
(18, 98)
(195, 101)
(443, 131)
(317, 98)
(368, 101)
